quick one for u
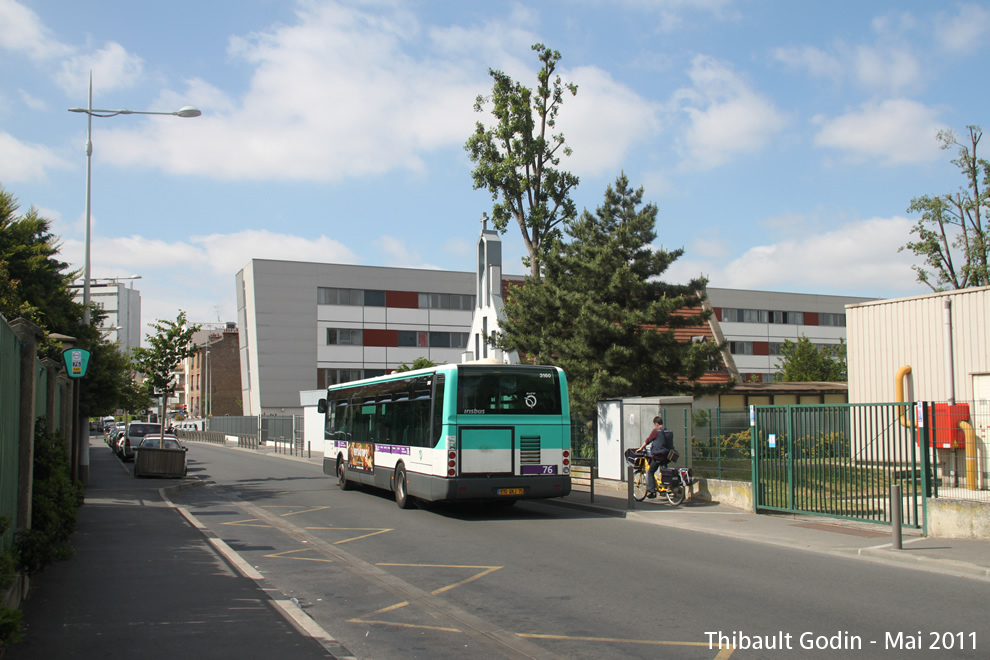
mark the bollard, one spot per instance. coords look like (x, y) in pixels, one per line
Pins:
(895, 515)
(629, 482)
(309, 450)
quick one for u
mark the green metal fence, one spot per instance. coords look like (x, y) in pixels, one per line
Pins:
(838, 461)
(10, 385)
(720, 443)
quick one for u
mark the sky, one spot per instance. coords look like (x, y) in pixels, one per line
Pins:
(781, 141)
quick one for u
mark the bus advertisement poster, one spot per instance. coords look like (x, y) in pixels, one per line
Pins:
(362, 456)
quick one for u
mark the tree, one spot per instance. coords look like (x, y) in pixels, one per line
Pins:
(952, 238)
(516, 160)
(35, 285)
(170, 345)
(601, 313)
(418, 363)
(804, 362)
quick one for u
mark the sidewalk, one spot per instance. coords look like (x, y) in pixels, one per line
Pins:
(968, 558)
(145, 583)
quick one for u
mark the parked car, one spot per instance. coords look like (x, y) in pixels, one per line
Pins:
(133, 437)
(112, 437)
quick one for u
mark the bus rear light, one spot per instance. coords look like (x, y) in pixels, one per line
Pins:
(567, 461)
(452, 455)
(451, 463)
(566, 453)
(451, 472)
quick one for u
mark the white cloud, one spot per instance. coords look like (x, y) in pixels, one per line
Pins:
(886, 70)
(815, 61)
(603, 122)
(964, 32)
(22, 161)
(22, 31)
(895, 132)
(727, 118)
(112, 68)
(858, 258)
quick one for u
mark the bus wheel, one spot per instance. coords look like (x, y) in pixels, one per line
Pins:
(342, 476)
(401, 494)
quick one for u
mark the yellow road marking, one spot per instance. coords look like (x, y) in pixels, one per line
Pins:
(294, 513)
(282, 555)
(374, 531)
(244, 523)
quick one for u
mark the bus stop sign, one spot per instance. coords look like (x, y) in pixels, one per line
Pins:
(76, 361)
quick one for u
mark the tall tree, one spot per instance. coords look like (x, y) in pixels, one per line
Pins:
(170, 345)
(517, 158)
(601, 313)
(803, 361)
(952, 235)
(35, 284)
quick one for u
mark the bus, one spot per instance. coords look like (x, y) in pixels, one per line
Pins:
(452, 433)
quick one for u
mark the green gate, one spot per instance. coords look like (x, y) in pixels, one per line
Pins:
(838, 461)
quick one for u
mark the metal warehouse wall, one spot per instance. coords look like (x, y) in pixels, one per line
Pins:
(889, 334)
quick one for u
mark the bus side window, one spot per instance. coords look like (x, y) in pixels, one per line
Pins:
(436, 415)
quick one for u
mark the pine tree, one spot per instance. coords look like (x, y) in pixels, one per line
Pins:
(601, 313)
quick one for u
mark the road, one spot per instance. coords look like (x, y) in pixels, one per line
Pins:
(536, 580)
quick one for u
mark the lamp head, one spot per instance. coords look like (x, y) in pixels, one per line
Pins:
(188, 111)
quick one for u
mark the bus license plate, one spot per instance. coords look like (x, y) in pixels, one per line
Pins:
(509, 491)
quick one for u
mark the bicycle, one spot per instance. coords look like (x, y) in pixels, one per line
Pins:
(674, 488)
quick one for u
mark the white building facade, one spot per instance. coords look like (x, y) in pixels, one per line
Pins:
(305, 326)
(756, 324)
(122, 306)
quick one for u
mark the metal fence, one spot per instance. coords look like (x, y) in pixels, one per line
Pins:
(839, 461)
(720, 446)
(10, 386)
(957, 438)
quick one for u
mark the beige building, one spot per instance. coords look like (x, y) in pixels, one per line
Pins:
(932, 348)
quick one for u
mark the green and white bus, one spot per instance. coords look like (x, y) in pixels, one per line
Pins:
(452, 433)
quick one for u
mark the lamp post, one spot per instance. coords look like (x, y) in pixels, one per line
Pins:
(91, 112)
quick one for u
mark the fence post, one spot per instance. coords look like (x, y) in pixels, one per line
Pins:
(309, 450)
(895, 514)
(631, 504)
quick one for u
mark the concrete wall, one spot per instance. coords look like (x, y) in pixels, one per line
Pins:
(954, 519)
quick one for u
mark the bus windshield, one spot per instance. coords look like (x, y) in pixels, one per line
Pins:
(507, 390)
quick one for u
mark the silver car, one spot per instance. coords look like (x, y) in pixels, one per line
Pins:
(135, 433)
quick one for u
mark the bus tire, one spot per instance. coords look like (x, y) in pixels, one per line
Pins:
(401, 489)
(342, 480)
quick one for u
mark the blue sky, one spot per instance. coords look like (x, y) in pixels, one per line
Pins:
(782, 141)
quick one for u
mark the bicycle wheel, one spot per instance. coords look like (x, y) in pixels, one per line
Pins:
(675, 495)
(639, 485)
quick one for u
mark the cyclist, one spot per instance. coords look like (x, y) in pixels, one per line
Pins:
(662, 440)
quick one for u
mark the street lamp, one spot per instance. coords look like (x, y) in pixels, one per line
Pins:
(187, 111)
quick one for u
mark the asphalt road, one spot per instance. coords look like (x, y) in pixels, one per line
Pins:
(540, 581)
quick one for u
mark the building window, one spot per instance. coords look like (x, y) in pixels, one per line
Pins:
(446, 301)
(835, 320)
(343, 336)
(374, 298)
(774, 347)
(741, 347)
(330, 296)
(327, 377)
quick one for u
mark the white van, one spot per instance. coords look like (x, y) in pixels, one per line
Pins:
(191, 425)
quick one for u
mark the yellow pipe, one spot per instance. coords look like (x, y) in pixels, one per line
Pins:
(970, 454)
(899, 392)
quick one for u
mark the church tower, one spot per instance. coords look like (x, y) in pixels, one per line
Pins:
(488, 308)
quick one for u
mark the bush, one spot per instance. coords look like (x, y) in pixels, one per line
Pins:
(54, 506)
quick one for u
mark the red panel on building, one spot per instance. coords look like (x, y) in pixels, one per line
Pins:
(718, 313)
(403, 299)
(761, 348)
(811, 318)
(381, 337)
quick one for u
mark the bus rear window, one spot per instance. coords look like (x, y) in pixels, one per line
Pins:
(508, 390)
